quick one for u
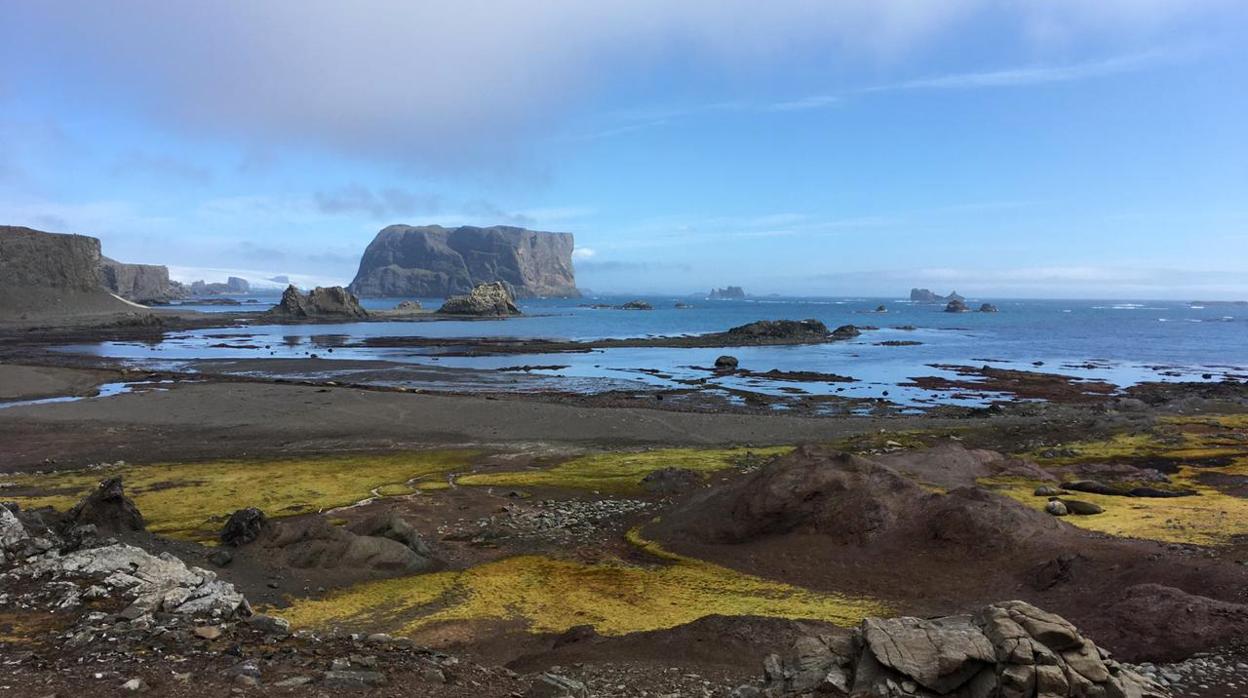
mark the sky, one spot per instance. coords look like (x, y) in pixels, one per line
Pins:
(1009, 148)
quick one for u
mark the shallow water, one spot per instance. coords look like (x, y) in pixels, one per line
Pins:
(1119, 342)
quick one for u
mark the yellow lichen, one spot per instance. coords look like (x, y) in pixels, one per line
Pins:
(551, 595)
(620, 472)
(189, 500)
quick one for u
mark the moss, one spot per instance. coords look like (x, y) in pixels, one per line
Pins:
(621, 472)
(190, 500)
(552, 595)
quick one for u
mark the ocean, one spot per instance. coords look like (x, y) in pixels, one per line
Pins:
(1116, 341)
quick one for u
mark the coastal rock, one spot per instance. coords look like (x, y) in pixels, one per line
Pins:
(923, 295)
(1004, 649)
(988, 308)
(435, 261)
(493, 299)
(141, 283)
(409, 307)
(781, 329)
(320, 302)
(846, 332)
(726, 293)
(726, 363)
(50, 274)
(107, 508)
(636, 305)
(233, 286)
(956, 306)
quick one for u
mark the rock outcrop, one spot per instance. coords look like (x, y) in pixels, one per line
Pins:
(923, 295)
(52, 274)
(1009, 650)
(956, 306)
(726, 293)
(781, 329)
(321, 302)
(107, 508)
(383, 545)
(494, 299)
(141, 283)
(233, 286)
(432, 261)
(988, 308)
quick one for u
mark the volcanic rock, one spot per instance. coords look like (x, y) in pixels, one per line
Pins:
(141, 283)
(492, 299)
(392, 526)
(671, 481)
(440, 262)
(956, 306)
(320, 302)
(780, 329)
(636, 305)
(243, 527)
(107, 508)
(988, 308)
(1005, 649)
(312, 542)
(50, 274)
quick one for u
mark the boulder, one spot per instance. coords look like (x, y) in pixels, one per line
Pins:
(440, 262)
(1009, 650)
(988, 308)
(846, 332)
(956, 306)
(12, 532)
(409, 306)
(243, 527)
(107, 508)
(492, 299)
(312, 542)
(726, 363)
(320, 302)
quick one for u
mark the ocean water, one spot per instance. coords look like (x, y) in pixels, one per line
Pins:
(1120, 342)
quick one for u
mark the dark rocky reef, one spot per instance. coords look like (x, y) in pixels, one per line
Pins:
(792, 330)
(320, 302)
(493, 299)
(440, 262)
(726, 293)
(52, 274)
(141, 283)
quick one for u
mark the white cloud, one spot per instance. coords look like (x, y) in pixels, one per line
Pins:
(440, 82)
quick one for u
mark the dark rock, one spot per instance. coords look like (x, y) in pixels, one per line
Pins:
(726, 363)
(881, 309)
(440, 262)
(491, 299)
(107, 508)
(956, 306)
(269, 624)
(312, 542)
(549, 685)
(988, 308)
(846, 332)
(781, 329)
(636, 305)
(244, 526)
(221, 557)
(320, 302)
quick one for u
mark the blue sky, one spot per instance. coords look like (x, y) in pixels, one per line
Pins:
(1046, 148)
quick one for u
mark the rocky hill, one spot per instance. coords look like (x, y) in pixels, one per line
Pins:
(52, 274)
(141, 283)
(434, 261)
(923, 295)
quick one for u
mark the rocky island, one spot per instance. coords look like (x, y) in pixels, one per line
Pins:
(432, 261)
(726, 293)
(923, 295)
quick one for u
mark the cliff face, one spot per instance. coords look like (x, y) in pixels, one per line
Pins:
(141, 283)
(435, 261)
(51, 274)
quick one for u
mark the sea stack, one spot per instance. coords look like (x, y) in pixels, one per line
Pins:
(432, 261)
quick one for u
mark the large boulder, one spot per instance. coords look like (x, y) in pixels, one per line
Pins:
(440, 262)
(493, 299)
(243, 527)
(320, 302)
(956, 306)
(1005, 650)
(107, 508)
